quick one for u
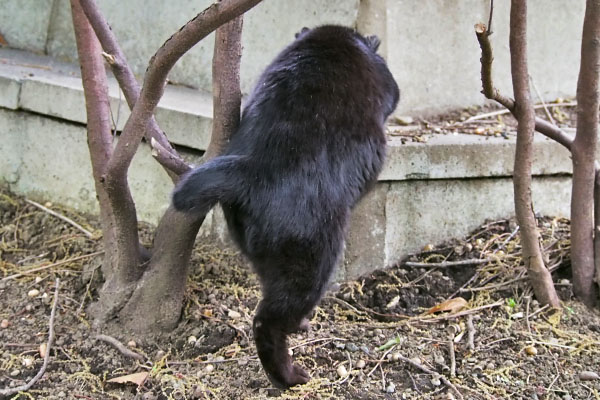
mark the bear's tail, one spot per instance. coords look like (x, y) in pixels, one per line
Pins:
(215, 181)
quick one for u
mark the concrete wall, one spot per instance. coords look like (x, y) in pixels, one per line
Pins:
(430, 44)
(427, 192)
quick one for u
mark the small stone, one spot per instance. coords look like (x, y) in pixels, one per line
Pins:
(377, 331)
(396, 356)
(391, 388)
(33, 293)
(341, 371)
(4, 324)
(27, 362)
(360, 364)
(220, 359)
(468, 247)
(14, 372)
(192, 339)
(435, 381)
(428, 247)
(339, 345)
(132, 344)
(588, 376)
(567, 397)
(490, 366)
(209, 368)
(531, 350)
(365, 349)
(28, 308)
(517, 315)
(351, 347)
(42, 350)
(404, 120)
(509, 363)
(38, 279)
(159, 354)
(234, 314)
(564, 282)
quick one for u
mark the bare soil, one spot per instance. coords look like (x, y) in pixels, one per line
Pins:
(372, 338)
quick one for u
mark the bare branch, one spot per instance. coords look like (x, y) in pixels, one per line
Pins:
(169, 160)
(489, 91)
(131, 89)
(29, 385)
(539, 276)
(227, 97)
(584, 154)
(160, 65)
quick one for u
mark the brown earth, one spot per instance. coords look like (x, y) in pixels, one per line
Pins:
(371, 338)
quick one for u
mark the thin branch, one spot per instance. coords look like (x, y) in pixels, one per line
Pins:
(61, 217)
(160, 64)
(28, 385)
(168, 159)
(121, 347)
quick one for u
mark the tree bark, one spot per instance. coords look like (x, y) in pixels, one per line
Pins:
(584, 157)
(539, 276)
(227, 96)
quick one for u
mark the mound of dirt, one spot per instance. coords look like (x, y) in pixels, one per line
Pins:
(375, 337)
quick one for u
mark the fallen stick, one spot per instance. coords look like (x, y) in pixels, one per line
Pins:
(61, 217)
(121, 347)
(445, 264)
(27, 386)
(430, 372)
(56, 264)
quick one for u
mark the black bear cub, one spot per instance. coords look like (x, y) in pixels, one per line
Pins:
(310, 143)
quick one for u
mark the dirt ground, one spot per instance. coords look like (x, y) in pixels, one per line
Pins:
(372, 338)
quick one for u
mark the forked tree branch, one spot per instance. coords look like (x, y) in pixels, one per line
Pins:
(492, 93)
(160, 65)
(539, 276)
(169, 158)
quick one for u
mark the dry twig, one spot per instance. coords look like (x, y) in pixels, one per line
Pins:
(61, 217)
(56, 264)
(121, 347)
(28, 385)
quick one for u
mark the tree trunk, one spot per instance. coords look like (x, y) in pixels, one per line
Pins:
(584, 157)
(157, 301)
(119, 224)
(539, 276)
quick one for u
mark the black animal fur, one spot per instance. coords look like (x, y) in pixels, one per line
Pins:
(310, 144)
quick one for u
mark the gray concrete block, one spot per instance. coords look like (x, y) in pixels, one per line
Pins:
(24, 23)
(9, 92)
(365, 243)
(468, 156)
(428, 212)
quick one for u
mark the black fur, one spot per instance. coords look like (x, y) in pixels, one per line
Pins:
(310, 144)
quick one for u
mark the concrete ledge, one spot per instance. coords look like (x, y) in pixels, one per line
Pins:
(45, 86)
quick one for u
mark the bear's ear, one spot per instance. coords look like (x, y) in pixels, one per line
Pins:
(302, 31)
(373, 42)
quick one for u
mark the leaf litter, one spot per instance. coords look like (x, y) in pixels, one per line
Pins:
(371, 338)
